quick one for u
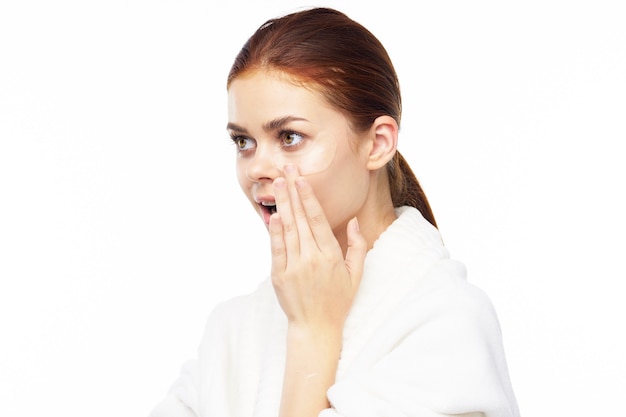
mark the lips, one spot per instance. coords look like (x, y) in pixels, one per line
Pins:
(267, 205)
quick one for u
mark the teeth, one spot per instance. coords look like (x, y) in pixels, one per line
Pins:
(268, 204)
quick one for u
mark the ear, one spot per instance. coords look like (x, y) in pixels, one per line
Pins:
(384, 137)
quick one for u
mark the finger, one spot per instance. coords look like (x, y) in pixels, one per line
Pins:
(283, 205)
(321, 231)
(277, 244)
(307, 242)
(355, 255)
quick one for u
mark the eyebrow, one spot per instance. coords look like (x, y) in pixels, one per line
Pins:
(272, 125)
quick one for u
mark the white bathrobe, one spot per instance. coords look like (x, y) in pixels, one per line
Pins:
(420, 341)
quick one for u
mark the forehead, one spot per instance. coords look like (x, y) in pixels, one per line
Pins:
(271, 92)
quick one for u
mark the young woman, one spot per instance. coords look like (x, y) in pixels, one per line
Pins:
(364, 312)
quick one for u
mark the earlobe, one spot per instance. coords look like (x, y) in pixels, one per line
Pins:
(384, 142)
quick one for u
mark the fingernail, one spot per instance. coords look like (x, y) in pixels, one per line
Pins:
(300, 182)
(279, 183)
(355, 225)
(290, 169)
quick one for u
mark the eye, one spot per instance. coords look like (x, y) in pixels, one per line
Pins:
(242, 143)
(291, 138)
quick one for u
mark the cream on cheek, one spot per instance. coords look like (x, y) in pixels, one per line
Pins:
(311, 156)
(342, 188)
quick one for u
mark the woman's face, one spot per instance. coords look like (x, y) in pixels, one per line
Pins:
(274, 121)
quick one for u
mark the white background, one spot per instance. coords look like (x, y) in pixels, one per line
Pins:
(122, 225)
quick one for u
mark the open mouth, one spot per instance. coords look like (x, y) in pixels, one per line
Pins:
(269, 206)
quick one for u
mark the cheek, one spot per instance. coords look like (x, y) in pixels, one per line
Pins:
(341, 191)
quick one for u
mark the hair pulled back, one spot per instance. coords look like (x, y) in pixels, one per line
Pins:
(328, 51)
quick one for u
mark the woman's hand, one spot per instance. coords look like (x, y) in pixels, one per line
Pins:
(315, 286)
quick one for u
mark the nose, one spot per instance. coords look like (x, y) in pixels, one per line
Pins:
(261, 165)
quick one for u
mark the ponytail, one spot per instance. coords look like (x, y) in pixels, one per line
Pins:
(406, 189)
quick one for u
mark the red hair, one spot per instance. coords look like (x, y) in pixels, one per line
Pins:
(325, 49)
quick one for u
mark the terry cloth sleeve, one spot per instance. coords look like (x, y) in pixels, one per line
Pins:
(439, 354)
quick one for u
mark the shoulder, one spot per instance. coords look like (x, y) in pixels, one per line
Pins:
(444, 300)
(440, 349)
(447, 286)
